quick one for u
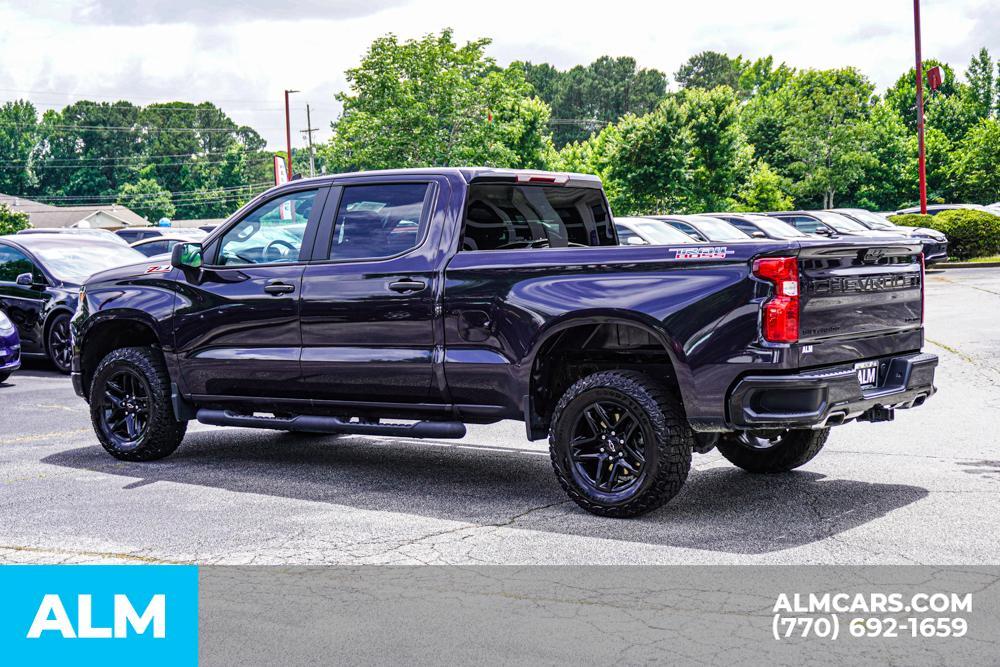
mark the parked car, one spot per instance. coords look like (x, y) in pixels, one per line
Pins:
(133, 234)
(454, 296)
(40, 278)
(163, 244)
(934, 209)
(10, 348)
(703, 228)
(646, 231)
(92, 234)
(825, 223)
(935, 243)
(760, 226)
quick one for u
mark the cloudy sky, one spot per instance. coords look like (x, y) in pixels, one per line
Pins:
(241, 54)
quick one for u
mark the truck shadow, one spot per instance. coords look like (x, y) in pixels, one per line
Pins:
(719, 509)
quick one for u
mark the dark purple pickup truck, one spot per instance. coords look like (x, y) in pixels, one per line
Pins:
(412, 302)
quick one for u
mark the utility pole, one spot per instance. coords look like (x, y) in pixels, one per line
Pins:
(288, 132)
(921, 157)
(309, 132)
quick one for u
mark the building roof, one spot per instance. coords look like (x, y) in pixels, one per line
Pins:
(46, 215)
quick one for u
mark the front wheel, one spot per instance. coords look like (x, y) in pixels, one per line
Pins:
(778, 451)
(59, 344)
(130, 406)
(620, 444)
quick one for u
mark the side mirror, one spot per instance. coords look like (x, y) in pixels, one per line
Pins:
(25, 279)
(759, 235)
(635, 240)
(823, 231)
(186, 256)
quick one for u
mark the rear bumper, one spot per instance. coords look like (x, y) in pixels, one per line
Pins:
(830, 396)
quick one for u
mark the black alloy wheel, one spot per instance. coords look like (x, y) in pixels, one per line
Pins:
(608, 450)
(125, 409)
(60, 344)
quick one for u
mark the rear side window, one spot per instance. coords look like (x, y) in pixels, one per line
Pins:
(511, 217)
(13, 262)
(377, 221)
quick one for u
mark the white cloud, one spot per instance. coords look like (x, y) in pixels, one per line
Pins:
(242, 54)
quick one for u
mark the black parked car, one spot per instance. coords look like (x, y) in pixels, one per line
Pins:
(826, 223)
(935, 243)
(134, 234)
(40, 278)
(760, 226)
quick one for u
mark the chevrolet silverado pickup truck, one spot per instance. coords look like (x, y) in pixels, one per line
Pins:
(413, 302)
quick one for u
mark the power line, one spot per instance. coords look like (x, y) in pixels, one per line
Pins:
(170, 192)
(137, 128)
(42, 165)
(83, 161)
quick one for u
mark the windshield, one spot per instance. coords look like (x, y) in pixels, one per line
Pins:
(774, 227)
(717, 230)
(839, 222)
(74, 263)
(873, 220)
(658, 233)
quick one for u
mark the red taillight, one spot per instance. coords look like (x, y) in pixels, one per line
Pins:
(780, 317)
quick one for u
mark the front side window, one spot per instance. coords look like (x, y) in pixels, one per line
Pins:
(803, 224)
(271, 234)
(13, 263)
(379, 221)
(511, 217)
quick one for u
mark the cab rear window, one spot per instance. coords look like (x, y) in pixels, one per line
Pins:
(517, 217)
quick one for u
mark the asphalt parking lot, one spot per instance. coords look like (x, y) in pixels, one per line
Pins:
(922, 489)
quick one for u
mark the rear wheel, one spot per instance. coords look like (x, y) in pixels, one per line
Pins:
(58, 343)
(620, 444)
(777, 451)
(130, 406)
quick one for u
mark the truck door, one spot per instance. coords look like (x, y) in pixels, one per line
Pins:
(236, 321)
(369, 294)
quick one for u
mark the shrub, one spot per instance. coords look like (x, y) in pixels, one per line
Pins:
(970, 233)
(12, 222)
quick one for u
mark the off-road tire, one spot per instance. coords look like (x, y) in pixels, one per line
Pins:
(666, 435)
(163, 432)
(795, 448)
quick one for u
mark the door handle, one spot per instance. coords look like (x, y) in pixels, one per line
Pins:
(407, 285)
(276, 288)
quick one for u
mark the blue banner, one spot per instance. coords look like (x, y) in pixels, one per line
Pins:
(91, 614)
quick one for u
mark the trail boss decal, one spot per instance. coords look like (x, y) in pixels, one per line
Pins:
(716, 252)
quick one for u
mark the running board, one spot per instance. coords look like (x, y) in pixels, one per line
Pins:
(321, 424)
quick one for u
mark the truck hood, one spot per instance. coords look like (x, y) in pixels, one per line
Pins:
(158, 264)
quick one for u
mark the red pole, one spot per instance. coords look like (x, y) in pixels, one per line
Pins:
(921, 158)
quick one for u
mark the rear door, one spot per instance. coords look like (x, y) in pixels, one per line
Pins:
(237, 320)
(369, 294)
(22, 303)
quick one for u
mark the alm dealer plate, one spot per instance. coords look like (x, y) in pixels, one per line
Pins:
(867, 374)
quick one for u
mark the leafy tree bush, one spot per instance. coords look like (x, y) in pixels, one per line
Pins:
(147, 198)
(970, 233)
(12, 222)
(975, 166)
(763, 191)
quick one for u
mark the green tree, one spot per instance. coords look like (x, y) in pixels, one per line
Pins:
(147, 198)
(885, 181)
(975, 166)
(720, 158)
(983, 88)
(11, 222)
(710, 69)
(586, 98)
(18, 140)
(951, 108)
(824, 132)
(431, 102)
(764, 190)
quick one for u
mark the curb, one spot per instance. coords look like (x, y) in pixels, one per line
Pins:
(965, 265)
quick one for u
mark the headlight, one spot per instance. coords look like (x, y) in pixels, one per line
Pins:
(6, 326)
(930, 234)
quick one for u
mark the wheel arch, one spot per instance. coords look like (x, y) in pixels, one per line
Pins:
(109, 333)
(618, 339)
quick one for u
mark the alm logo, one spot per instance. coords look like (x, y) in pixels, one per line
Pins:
(51, 617)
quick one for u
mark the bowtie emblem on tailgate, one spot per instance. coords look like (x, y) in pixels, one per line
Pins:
(873, 255)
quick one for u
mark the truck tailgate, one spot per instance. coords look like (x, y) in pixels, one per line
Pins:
(853, 289)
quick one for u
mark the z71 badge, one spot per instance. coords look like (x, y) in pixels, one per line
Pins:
(717, 252)
(159, 268)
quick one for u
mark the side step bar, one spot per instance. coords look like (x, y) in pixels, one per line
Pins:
(321, 424)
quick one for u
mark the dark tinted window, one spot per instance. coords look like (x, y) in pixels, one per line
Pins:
(507, 217)
(803, 224)
(687, 229)
(376, 221)
(13, 262)
(153, 248)
(742, 225)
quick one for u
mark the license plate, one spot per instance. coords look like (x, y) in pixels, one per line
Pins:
(867, 374)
